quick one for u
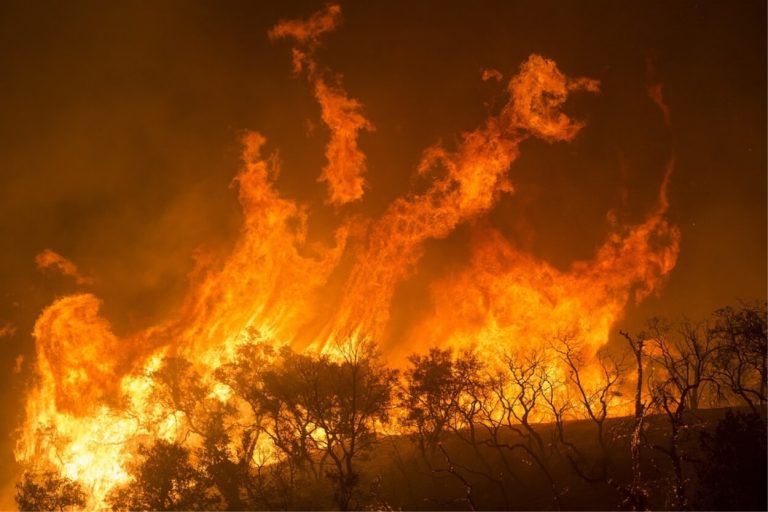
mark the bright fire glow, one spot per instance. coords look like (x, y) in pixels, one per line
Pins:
(92, 401)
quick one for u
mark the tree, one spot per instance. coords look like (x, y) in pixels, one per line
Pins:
(595, 382)
(429, 395)
(682, 363)
(732, 475)
(331, 408)
(49, 491)
(179, 388)
(164, 480)
(264, 482)
(468, 423)
(595, 393)
(637, 494)
(215, 460)
(741, 363)
(516, 401)
(446, 393)
(208, 424)
(682, 372)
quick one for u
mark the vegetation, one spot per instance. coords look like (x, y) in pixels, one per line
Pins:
(673, 419)
(48, 491)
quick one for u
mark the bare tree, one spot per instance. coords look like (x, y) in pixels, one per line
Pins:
(595, 383)
(742, 352)
(637, 494)
(468, 422)
(515, 404)
(683, 363)
(682, 373)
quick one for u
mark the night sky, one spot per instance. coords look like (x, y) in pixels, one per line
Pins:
(120, 123)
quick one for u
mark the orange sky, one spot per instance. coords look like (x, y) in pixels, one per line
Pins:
(120, 127)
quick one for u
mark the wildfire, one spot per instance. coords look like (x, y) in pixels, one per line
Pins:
(92, 400)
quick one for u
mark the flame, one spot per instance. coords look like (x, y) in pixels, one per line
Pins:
(342, 114)
(92, 403)
(271, 279)
(50, 260)
(472, 179)
(655, 91)
(505, 294)
(492, 74)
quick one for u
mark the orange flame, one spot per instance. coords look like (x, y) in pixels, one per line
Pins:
(342, 114)
(51, 260)
(473, 178)
(505, 294)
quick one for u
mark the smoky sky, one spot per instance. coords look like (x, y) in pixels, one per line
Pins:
(120, 123)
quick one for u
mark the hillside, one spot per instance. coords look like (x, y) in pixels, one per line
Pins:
(399, 476)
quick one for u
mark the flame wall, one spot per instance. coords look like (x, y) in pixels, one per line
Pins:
(91, 401)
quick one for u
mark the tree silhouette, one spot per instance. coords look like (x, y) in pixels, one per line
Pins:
(594, 399)
(429, 395)
(179, 388)
(443, 393)
(216, 464)
(264, 485)
(682, 372)
(182, 390)
(164, 480)
(49, 491)
(516, 402)
(637, 493)
(741, 362)
(329, 407)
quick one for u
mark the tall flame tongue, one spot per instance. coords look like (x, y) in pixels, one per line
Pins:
(270, 279)
(472, 178)
(77, 417)
(91, 402)
(342, 114)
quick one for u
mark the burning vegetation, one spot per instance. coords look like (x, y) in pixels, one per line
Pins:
(269, 387)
